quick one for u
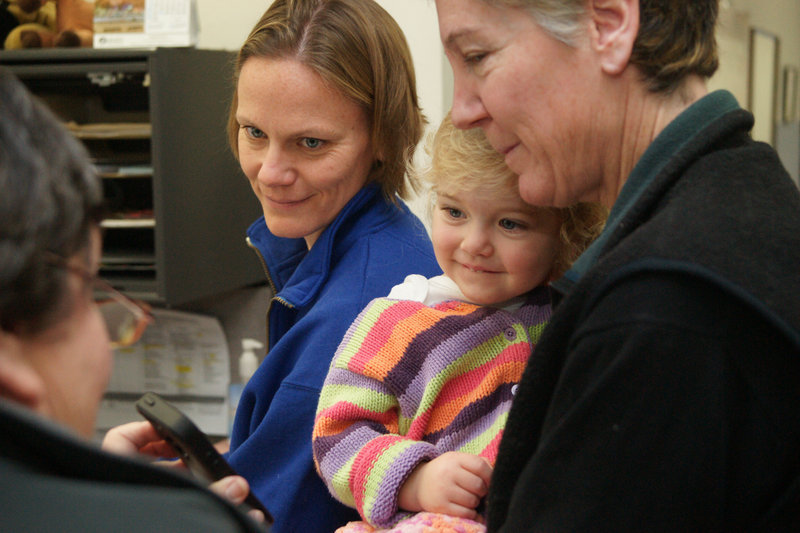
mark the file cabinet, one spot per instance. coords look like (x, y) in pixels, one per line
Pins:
(154, 122)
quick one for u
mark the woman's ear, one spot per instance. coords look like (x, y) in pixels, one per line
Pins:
(19, 381)
(613, 30)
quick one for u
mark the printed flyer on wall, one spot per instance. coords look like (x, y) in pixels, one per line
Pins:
(182, 357)
(144, 23)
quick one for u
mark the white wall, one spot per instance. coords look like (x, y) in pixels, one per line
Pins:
(781, 17)
(225, 25)
(777, 17)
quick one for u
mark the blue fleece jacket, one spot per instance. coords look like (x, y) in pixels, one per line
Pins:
(370, 247)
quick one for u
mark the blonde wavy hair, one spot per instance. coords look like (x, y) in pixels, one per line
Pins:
(463, 161)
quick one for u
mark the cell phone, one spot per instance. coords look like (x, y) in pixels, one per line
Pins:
(192, 445)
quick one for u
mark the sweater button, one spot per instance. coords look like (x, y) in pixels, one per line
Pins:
(510, 334)
(514, 389)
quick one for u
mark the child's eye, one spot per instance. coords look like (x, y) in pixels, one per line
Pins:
(452, 212)
(311, 142)
(253, 132)
(509, 225)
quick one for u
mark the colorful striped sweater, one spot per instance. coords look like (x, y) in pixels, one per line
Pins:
(410, 382)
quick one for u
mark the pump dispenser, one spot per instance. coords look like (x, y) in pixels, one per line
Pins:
(248, 361)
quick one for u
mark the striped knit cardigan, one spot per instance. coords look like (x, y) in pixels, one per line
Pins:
(410, 382)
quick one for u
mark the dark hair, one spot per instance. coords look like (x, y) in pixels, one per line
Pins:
(675, 39)
(50, 199)
(357, 47)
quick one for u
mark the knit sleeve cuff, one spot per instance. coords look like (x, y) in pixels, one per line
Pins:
(382, 478)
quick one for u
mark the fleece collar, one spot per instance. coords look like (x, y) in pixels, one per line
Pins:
(670, 141)
(298, 273)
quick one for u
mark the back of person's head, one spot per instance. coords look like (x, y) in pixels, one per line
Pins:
(463, 161)
(676, 37)
(50, 200)
(357, 47)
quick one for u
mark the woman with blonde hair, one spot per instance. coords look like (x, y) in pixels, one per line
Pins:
(324, 121)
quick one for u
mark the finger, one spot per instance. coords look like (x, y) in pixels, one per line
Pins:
(223, 446)
(176, 464)
(141, 433)
(129, 438)
(233, 488)
(460, 511)
(472, 484)
(480, 467)
(161, 449)
(256, 515)
(462, 497)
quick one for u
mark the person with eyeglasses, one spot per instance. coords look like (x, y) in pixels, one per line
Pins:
(58, 322)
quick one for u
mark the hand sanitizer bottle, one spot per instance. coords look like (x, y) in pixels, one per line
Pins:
(248, 361)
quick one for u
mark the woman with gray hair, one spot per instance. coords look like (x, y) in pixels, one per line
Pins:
(663, 394)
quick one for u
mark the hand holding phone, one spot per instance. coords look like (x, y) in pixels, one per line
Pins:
(192, 445)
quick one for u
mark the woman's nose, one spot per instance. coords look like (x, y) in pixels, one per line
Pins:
(275, 168)
(468, 110)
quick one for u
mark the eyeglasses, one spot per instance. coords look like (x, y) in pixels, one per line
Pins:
(125, 318)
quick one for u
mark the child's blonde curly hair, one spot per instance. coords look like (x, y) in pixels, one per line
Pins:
(463, 160)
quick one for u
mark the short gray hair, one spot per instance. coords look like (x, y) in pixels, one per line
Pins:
(676, 37)
(560, 18)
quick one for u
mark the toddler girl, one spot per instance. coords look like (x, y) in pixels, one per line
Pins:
(414, 405)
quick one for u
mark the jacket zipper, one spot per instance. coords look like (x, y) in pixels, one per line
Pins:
(271, 285)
